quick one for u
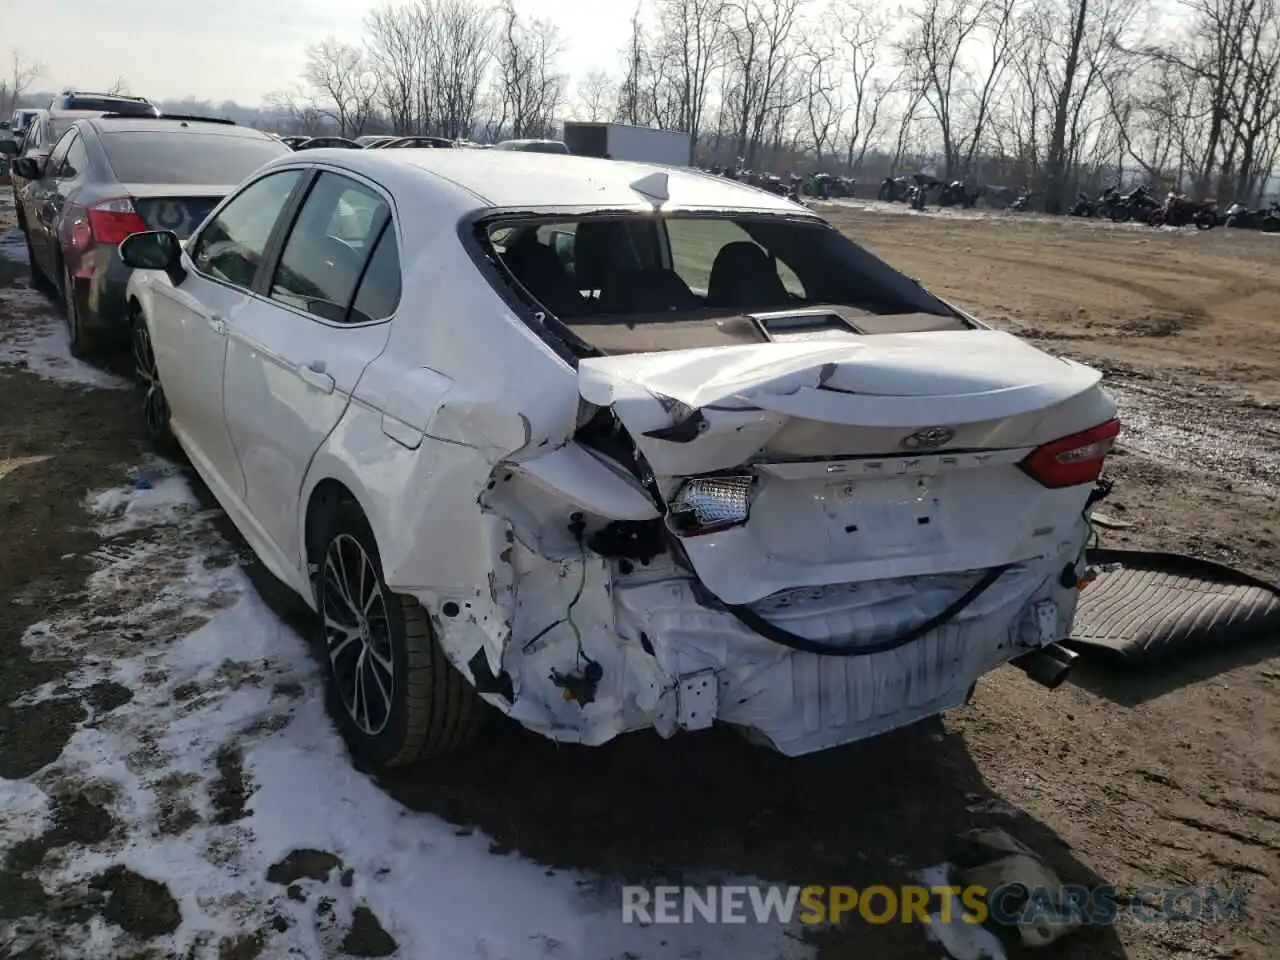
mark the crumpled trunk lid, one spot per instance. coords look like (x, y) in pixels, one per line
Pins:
(893, 455)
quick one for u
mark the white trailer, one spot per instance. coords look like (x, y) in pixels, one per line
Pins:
(619, 141)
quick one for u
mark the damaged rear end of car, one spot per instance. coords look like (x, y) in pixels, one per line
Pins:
(816, 504)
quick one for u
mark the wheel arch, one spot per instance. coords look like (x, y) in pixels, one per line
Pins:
(330, 481)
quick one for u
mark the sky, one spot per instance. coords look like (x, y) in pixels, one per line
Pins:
(239, 49)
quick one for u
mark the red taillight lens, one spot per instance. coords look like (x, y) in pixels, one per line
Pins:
(1072, 460)
(110, 221)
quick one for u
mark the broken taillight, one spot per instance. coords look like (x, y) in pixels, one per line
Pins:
(1072, 460)
(707, 504)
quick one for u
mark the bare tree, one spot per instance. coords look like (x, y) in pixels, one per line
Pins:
(693, 33)
(758, 34)
(861, 34)
(823, 100)
(458, 59)
(342, 84)
(635, 78)
(597, 92)
(21, 74)
(532, 90)
(394, 36)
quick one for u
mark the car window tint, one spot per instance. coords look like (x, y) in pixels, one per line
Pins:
(77, 161)
(696, 243)
(379, 292)
(185, 157)
(328, 246)
(230, 248)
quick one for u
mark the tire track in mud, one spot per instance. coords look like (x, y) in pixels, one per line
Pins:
(1233, 289)
(1197, 432)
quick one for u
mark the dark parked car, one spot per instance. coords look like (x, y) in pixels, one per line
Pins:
(403, 143)
(322, 143)
(533, 146)
(114, 175)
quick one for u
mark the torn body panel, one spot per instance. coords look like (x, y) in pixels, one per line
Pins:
(595, 646)
(594, 643)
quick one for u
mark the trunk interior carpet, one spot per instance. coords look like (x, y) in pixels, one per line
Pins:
(1150, 606)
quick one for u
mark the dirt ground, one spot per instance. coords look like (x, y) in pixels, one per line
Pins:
(1168, 781)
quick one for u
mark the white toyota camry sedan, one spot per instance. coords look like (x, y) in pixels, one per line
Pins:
(608, 446)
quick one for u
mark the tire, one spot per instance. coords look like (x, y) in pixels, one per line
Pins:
(38, 280)
(1155, 218)
(432, 709)
(1206, 221)
(1271, 225)
(1233, 221)
(1121, 214)
(155, 406)
(83, 343)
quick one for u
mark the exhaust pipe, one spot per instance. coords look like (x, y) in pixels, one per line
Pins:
(1048, 666)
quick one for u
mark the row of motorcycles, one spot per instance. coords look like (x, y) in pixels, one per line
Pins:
(1176, 210)
(1267, 219)
(914, 192)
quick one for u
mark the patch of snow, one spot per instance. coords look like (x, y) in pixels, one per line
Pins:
(13, 247)
(211, 670)
(160, 495)
(34, 338)
(962, 940)
(24, 813)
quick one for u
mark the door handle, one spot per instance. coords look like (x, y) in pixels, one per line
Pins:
(217, 324)
(314, 375)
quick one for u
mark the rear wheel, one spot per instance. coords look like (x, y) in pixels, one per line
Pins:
(83, 343)
(155, 407)
(1156, 218)
(1271, 225)
(1121, 214)
(38, 279)
(390, 689)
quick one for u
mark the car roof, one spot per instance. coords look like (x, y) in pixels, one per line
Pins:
(485, 179)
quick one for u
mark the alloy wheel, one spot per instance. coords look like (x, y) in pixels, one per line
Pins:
(357, 634)
(155, 408)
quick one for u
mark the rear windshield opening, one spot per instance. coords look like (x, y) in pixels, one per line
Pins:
(626, 283)
(187, 158)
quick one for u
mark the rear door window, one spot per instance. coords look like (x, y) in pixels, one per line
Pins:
(379, 292)
(187, 157)
(327, 250)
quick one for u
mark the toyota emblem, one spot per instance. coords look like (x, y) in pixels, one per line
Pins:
(928, 438)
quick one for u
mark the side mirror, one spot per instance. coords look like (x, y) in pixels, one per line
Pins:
(29, 168)
(154, 250)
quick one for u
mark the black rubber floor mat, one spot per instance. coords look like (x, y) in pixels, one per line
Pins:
(1158, 605)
